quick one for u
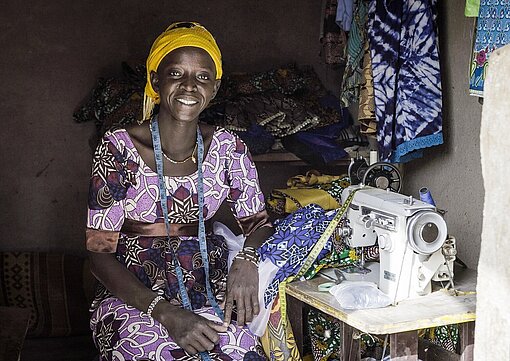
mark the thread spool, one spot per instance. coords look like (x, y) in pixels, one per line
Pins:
(325, 287)
(374, 157)
(426, 196)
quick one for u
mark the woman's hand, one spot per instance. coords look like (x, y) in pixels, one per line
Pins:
(242, 288)
(192, 332)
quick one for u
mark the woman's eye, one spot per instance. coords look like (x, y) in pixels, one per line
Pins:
(174, 73)
(203, 76)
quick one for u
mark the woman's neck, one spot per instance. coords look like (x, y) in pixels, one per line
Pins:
(177, 138)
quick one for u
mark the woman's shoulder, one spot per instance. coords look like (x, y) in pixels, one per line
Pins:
(115, 133)
(225, 135)
(229, 143)
(128, 136)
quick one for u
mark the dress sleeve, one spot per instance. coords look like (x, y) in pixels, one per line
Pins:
(245, 197)
(112, 175)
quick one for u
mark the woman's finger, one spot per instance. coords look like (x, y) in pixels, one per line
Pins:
(190, 349)
(229, 304)
(200, 344)
(211, 333)
(241, 311)
(255, 303)
(205, 342)
(219, 327)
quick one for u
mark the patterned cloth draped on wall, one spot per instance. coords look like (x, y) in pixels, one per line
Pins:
(406, 76)
(492, 32)
(332, 37)
(393, 72)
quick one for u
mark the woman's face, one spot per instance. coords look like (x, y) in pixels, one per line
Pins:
(185, 81)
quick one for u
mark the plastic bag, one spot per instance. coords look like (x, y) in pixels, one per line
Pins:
(234, 243)
(356, 295)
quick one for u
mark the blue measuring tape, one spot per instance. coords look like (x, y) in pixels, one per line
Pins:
(158, 155)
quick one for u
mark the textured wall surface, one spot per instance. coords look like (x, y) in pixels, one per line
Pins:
(52, 54)
(452, 171)
(492, 332)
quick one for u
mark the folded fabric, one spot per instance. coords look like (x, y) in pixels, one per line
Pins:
(258, 139)
(292, 199)
(324, 145)
(312, 178)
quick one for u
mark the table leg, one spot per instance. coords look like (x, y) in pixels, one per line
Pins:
(467, 340)
(350, 346)
(404, 346)
(295, 314)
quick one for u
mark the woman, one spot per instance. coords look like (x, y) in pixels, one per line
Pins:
(163, 277)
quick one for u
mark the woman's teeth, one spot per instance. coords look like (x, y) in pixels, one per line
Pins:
(187, 102)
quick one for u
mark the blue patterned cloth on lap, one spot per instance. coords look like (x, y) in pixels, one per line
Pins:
(407, 79)
(292, 241)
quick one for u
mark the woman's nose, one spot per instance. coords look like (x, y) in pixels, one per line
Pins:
(189, 83)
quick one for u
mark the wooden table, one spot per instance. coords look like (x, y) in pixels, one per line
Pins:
(400, 322)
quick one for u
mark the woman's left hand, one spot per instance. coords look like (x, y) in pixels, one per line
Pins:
(242, 288)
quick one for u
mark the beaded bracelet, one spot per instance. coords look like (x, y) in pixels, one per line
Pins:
(249, 254)
(153, 304)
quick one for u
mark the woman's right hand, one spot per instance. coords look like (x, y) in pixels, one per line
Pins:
(192, 332)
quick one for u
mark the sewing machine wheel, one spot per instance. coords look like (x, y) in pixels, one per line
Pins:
(383, 175)
(357, 170)
(426, 232)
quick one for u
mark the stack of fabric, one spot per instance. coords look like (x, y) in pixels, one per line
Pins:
(283, 108)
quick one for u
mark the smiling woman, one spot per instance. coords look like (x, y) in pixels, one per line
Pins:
(153, 187)
(185, 81)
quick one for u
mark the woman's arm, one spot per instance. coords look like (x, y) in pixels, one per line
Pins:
(243, 281)
(191, 332)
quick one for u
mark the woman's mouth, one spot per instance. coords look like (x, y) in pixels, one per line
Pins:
(187, 102)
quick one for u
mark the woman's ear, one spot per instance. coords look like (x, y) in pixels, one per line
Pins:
(217, 84)
(155, 81)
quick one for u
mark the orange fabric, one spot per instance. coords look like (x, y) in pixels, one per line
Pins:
(106, 241)
(101, 241)
(135, 228)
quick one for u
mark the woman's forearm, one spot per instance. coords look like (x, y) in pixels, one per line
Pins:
(258, 237)
(122, 283)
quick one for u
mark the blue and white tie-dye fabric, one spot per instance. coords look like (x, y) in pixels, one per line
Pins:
(407, 79)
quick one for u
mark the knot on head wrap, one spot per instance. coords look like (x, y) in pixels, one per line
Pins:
(177, 35)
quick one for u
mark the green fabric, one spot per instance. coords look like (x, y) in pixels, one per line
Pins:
(472, 8)
(445, 336)
(325, 333)
(325, 336)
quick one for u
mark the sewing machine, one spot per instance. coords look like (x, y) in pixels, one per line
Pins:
(411, 235)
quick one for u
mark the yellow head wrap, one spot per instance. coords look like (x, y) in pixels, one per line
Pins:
(176, 36)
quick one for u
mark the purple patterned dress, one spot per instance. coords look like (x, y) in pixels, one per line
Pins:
(125, 218)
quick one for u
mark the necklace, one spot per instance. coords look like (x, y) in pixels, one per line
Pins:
(192, 157)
